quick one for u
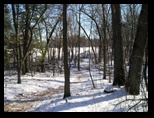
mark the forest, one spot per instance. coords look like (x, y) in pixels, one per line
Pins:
(72, 51)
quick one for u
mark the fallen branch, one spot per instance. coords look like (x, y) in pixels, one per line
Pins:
(145, 99)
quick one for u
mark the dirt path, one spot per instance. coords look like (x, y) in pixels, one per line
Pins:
(25, 102)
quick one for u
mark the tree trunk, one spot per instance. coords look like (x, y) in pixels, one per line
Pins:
(90, 69)
(119, 68)
(104, 42)
(42, 65)
(66, 68)
(53, 61)
(79, 43)
(100, 51)
(15, 21)
(136, 60)
(26, 40)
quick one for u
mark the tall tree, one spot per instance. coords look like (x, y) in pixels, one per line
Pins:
(104, 41)
(119, 68)
(15, 14)
(66, 68)
(136, 59)
(25, 66)
(79, 40)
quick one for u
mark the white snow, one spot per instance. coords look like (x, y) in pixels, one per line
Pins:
(44, 92)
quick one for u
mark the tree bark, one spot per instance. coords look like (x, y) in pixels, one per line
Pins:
(26, 40)
(66, 68)
(119, 68)
(136, 59)
(15, 21)
(79, 42)
(104, 42)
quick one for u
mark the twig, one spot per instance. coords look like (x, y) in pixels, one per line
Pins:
(145, 99)
(134, 105)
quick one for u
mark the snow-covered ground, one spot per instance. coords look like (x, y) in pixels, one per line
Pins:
(44, 92)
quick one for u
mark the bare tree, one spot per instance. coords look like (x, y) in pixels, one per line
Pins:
(136, 60)
(25, 67)
(104, 42)
(119, 68)
(66, 68)
(79, 40)
(15, 13)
